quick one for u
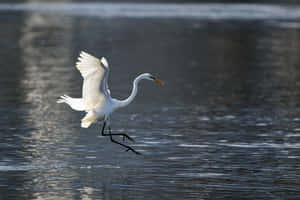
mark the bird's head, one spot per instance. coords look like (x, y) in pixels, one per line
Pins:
(152, 78)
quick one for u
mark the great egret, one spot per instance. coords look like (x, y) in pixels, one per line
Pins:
(96, 99)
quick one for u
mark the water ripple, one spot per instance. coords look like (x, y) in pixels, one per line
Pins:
(201, 175)
(262, 145)
(193, 145)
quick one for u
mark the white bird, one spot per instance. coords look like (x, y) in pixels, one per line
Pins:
(96, 100)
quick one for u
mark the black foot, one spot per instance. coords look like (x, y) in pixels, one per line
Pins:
(121, 134)
(128, 137)
(134, 151)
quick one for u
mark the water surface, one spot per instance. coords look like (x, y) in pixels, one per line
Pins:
(225, 125)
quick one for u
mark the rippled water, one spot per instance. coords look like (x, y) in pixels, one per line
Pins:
(225, 126)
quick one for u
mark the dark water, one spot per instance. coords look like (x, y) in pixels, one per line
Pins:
(225, 125)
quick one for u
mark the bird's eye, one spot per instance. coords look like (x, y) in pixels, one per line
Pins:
(152, 77)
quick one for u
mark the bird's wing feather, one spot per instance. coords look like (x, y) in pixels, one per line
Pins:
(95, 74)
(104, 63)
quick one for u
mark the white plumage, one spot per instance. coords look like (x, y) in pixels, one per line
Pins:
(75, 103)
(96, 99)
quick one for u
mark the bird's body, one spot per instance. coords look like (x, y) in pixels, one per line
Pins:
(96, 100)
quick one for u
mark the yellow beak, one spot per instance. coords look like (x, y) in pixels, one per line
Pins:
(159, 81)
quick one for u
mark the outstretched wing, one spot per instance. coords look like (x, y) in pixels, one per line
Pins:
(95, 75)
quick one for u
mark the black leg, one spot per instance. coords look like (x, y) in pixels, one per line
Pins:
(120, 134)
(114, 141)
(126, 146)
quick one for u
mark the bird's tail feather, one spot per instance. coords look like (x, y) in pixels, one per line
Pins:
(62, 99)
(74, 103)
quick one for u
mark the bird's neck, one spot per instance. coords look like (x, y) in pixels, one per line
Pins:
(134, 91)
